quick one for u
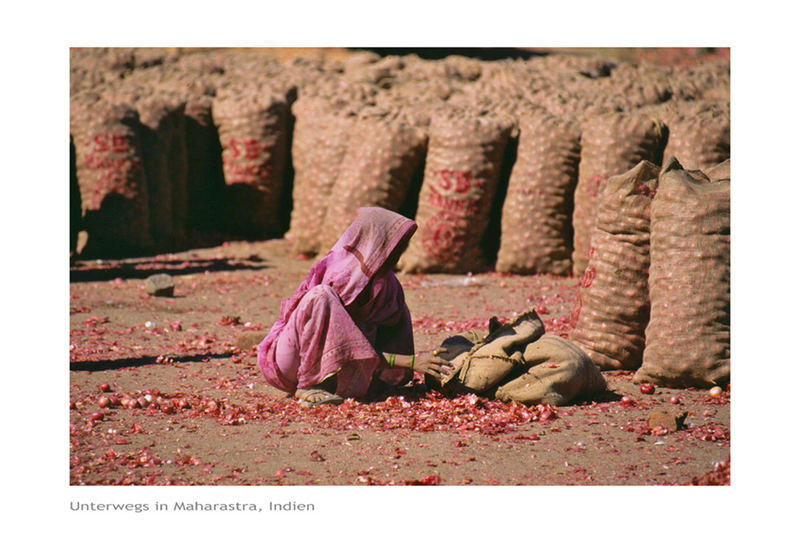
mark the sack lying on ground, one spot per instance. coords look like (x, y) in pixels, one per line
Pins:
(688, 336)
(611, 144)
(491, 359)
(558, 373)
(613, 305)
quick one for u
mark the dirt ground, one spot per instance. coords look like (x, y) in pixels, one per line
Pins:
(207, 417)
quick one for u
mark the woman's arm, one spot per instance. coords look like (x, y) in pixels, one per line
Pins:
(425, 362)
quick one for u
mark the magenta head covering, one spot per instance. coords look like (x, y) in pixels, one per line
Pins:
(364, 248)
(364, 252)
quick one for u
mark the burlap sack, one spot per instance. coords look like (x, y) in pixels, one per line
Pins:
(558, 374)
(206, 183)
(253, 131)
(710, 80)
(462, 168)
(536, 227)
(639, 85)
(164, 156)
(613, 305)
(506, 110)
(699, 134)
(74, 199)
(611, 144)
(381, 72)
(319, 142)
(178, 164)
(688, 336)
(719, 172)
(383, 154)
(116, 60)
(111, 179)
(493, 358)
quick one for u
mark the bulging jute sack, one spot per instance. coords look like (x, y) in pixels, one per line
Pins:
(111, 179)
(558, 374)
(613, 305)
(205, 181)
(699, 134)
(319, 142)
(462, 169)
(493, 358)
(688, 336)
(719, 172)
(178, 164)
(383, 154)
(253, 130)
(536, 223)
(611, 144)
(163, 144)
(74, 199)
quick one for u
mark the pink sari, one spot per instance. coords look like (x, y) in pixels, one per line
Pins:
(349, 308)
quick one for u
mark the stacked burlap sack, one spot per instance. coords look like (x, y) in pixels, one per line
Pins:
(74, 199)
(611, 143)
(536, 227)
(205, 180)
(655, 296)
(180, 142)
(382, 156)
(319, 142)
(688, 335)
(462, 168)
(164, 151)
(253, 123)
(613, 305)
(699, 133)
(704, 81)
(110, 174)
(612, 100)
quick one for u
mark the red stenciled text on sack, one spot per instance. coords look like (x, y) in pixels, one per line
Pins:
(111, 164)
(453, 194)
(451, 183)
(112, 155)
(110, 142)
(457, 181)
(443, 239)
(240, 165)
(102, 157)
(246, 148)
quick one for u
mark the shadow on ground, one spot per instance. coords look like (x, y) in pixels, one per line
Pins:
(128, 362)
(141, 269)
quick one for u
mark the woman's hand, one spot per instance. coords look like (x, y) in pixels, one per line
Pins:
(430, 363)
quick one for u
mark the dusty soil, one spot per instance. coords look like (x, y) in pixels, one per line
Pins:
(178, 354)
